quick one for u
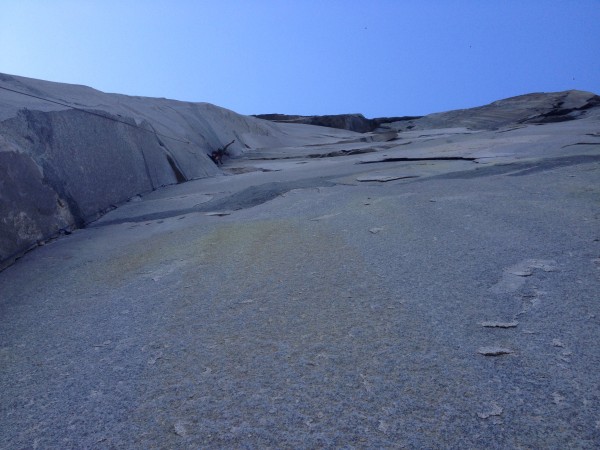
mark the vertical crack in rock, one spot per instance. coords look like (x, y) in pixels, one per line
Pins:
(176, 171)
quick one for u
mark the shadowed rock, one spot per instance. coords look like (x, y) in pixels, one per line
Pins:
(352, 122)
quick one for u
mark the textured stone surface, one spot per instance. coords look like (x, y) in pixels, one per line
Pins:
(30, 210)
(525, 109)
(103, 150)
(292, 306)
(266, 328)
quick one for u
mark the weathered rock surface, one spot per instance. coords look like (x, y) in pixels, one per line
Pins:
(352, 122)
(423, 289)
(535, 108)
(69, 153)
(63, 166)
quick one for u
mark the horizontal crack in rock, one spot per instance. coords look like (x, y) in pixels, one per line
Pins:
(384, 178)
(358, 151)
(333, 154)
(519, 168)
(433, 158)
(512, 324)
(581, 143)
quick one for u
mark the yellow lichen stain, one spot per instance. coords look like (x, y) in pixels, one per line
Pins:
(186, 251)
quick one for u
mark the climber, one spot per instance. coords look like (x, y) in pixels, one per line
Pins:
(217, 155)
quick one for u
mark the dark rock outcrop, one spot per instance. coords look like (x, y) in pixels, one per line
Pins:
(352, 122)
(537, 108)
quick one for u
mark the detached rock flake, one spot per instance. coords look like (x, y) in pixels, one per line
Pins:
(494, 351)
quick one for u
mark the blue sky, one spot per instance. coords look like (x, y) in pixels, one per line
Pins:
(376, 57)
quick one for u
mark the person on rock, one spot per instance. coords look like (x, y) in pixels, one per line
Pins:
(217, 155)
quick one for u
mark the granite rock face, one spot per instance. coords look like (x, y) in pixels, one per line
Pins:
(31, 210)
(69, 153)
(537, 108)
(418, 289)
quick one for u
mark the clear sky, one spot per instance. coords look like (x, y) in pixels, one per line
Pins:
(376, 57)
